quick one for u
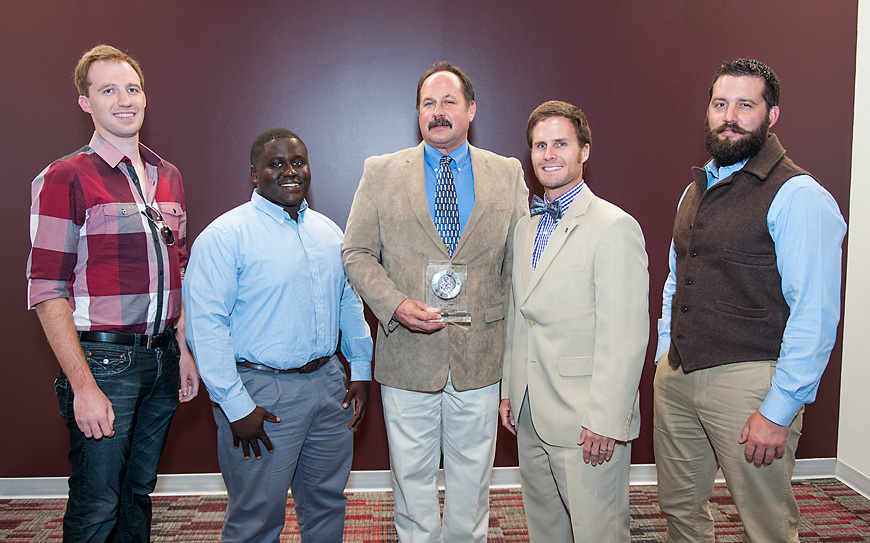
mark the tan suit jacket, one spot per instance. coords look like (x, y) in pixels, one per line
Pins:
(390, 239)
(578, 325)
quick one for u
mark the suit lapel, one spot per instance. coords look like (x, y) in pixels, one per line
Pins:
(567, 224)
(414, 177)
(482, 172)
(528, 247)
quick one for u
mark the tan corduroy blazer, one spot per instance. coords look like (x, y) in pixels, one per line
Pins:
(390, 239)
(578, 324)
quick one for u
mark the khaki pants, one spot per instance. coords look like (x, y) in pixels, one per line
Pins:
(567, 500)
(698, 419)
(420, 427)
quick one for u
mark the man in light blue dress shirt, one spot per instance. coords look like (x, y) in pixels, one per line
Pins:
(749, 317)
(266, 297)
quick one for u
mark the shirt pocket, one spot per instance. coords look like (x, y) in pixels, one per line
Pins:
(115, 218)
(173, 215)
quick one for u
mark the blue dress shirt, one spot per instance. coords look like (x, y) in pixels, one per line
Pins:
(265, 288)
(807, 230)
(546, 225)
(463, 179)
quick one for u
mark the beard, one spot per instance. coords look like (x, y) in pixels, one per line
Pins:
(727, 152)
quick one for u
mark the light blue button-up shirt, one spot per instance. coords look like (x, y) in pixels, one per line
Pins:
(807, 230)
(463, 179)
(265, 288)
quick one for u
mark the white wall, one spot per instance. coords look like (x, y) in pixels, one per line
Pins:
(853, 448)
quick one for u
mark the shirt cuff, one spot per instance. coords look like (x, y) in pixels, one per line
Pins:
(664, 339)
(779, 408)
(42, 290)
(360, 370)
(239, 407)
(394, 323)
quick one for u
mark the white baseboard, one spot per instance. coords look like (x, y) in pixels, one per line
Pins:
(858, 481)
(375, 481)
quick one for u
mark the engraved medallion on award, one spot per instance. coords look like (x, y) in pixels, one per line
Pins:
(446, 285)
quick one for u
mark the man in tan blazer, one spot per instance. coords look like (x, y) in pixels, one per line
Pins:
(439, 382)
(578, 326)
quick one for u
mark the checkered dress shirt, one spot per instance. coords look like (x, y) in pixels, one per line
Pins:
(91, 244)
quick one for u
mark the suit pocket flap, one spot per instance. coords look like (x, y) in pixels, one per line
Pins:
(576, 366)
(494, 313)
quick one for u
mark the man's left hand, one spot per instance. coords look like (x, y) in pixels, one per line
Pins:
(597, 449)
(188, 377)
(358, 394)
(765, 440)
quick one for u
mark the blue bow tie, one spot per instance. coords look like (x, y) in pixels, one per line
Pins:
(538, 206)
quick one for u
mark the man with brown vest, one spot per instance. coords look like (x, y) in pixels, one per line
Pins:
(749, 317)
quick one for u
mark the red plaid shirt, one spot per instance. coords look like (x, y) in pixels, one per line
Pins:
(91, 244)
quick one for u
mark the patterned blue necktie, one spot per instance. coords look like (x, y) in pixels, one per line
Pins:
(446, 208)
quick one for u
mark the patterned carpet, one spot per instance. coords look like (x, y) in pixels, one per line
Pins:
(831, 512)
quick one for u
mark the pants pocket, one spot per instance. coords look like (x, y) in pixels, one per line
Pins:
(64, 400)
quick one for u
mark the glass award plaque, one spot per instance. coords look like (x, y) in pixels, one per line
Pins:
(446, 285)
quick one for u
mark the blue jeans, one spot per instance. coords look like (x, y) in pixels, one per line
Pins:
(111, 478)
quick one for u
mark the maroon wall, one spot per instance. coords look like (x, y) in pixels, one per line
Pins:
(343, 76)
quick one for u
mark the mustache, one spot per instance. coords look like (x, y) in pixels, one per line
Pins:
(731, 126)
(440, 121)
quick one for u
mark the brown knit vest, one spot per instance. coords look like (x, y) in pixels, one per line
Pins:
(728, 306)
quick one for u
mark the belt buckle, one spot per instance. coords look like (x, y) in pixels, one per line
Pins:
(148, 341)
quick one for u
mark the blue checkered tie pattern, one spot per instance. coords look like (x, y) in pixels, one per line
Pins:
(446, 208)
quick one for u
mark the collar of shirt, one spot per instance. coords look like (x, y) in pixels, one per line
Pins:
(461, 156)
(567, 199)
(716, 174)
(113, 156)
(274, 211)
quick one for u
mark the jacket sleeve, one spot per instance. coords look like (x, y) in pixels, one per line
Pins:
(361, 252)
(621, 284)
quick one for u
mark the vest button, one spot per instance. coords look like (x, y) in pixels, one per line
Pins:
(684, 309)
(693, 254)
(688, 281)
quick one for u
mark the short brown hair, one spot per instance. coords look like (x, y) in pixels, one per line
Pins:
(557, 108)
(105, 53)
(444, 66)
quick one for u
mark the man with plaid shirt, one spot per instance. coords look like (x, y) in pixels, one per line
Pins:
(104, 275)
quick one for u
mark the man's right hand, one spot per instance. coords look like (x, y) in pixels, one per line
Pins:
(507, 416)
(93, 412)
(248, 429)
(419, 317)
(91, 408)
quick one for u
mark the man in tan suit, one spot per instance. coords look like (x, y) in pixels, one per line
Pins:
(578, 326)
(439, 383)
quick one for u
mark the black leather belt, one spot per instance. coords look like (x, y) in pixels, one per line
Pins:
(151, 341)
(310, 367)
